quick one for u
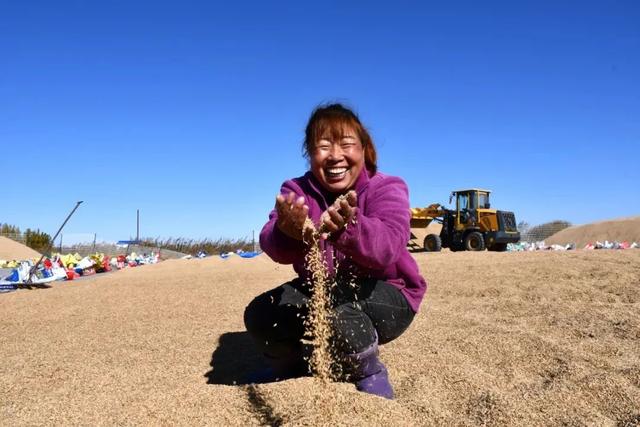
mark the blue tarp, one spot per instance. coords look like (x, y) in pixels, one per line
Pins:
(240, 254)
(248, 254)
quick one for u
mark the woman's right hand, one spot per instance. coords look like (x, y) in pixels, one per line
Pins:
(292, 213)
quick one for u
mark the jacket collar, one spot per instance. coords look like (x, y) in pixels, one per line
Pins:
(363, 180)
(361, 183)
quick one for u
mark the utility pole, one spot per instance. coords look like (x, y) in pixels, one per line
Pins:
(33, 269)
(137, 225)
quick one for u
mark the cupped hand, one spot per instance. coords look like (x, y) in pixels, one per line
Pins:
(338, 215)
(292, 213)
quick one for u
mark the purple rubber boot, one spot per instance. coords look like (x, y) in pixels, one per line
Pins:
(369, 373)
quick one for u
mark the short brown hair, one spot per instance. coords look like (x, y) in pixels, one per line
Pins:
(334, 118)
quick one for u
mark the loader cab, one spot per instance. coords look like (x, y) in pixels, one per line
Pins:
(467, 204)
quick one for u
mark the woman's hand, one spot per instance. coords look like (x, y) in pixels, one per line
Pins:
(338, 215)
(292, 214)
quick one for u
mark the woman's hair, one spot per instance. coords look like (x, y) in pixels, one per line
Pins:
(334, 118)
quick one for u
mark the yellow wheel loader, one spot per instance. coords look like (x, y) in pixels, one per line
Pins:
(471, 226)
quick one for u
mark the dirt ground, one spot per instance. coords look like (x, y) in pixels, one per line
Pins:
(542, 338)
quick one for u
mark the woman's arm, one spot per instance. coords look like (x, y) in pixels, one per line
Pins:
(381, 230)
(276, 235)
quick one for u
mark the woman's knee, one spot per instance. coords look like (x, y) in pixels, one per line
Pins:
(272, 328)
(389, 311)
(278, 314)
(353, 329)
(256, 314)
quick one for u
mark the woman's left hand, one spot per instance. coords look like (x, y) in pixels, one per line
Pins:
(338, 215)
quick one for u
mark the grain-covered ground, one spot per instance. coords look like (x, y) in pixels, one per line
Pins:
(542, 338)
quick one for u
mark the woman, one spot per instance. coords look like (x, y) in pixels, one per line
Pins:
(364, 236)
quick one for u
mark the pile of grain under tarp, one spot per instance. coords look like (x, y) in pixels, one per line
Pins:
(624, 229)
(12, 250)
(523, 338)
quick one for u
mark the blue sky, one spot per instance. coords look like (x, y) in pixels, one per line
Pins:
(193, 112)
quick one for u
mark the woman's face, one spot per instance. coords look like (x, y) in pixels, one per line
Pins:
(336, 161)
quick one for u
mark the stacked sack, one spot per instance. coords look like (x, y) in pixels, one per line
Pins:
(611, 245)
(76, 266)
(68, 267)
(541, 246)
(538, 246)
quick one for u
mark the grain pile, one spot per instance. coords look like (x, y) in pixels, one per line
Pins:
(505, 339)
(624, 229)
(420, 233)
(12, 250)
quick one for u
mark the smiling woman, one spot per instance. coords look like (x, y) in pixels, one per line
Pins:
(363, 219)
(338, 146)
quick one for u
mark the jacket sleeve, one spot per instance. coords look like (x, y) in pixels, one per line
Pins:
(381, 230)
(280, 247)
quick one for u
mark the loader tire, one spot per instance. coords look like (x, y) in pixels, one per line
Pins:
(498, 247)
(432, 243)
(474, 241)
(456, 247)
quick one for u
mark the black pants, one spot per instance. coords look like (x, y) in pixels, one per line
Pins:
(275, 318)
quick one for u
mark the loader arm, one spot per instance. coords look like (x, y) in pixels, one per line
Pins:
(422, 217)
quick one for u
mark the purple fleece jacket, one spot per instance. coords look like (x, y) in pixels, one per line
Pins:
(376, 245)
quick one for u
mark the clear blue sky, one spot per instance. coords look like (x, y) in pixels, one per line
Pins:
(193, 112)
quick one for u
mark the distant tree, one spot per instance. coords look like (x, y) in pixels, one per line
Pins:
(7, 229)
(37, 240)
(191, 246)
